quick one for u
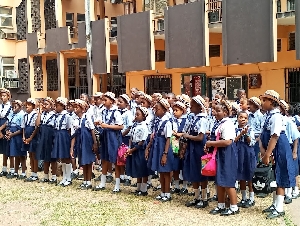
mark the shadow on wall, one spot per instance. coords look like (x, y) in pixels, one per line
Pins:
(19, 96)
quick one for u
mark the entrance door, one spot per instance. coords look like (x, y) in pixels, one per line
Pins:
(193, 84)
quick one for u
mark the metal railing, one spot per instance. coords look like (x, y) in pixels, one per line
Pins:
(215, 11)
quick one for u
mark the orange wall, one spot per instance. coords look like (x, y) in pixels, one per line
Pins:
(273, 76)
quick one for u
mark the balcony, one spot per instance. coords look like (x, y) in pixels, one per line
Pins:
(215, 16)
(286, 12)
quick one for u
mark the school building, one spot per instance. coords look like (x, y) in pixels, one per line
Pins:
(47, 49)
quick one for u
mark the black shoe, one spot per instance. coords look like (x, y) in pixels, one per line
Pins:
(122, 181)
(191, 194)
(86, 187)
(74, 176)
(166, 199)
(183, 191)
(3, 174)
(98, 188)
(109, 179)
(270, 209)
(31, 179)
(175, 191)
(149, 186)
(52, 181)
(21, 177)
(44, 180)
(116, 190)
(97, 178)
(208, 195)
(229, 212)
(216, 211)
(156, 188)
(275, 214)
(67, 183)
(249, 204)
(10, 176)
(202, 204)
(93, 175)
(134, 185)
(214, 198)
(80, 177)
(81, 186)
(127, 182)
(140, 193)
(242, 203)
(155, 176)
(194, 202)
(135, 192)
(288, 200)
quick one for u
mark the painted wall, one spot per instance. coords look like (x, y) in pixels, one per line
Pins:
(273, 76)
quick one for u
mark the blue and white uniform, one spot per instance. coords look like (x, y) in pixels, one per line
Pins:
(127, 122)
(28, 124)
(15, 143)
(5, 112)
(256, 122)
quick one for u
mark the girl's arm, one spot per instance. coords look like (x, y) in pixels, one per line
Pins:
(95, 146)
(295, 148)
(272, 143)
(238, 137)
(38, 119)
(218, 143)
(72, 146)
(114, 127)
(163, 160)
(129, 152)
(199, 137)
(16, 133)
(33, 134)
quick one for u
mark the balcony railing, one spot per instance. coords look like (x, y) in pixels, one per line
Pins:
(215, 11)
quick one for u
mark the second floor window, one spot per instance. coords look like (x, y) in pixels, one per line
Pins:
(6, 17)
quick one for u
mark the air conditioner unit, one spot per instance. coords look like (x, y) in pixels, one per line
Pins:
(160, 25)
(12, 84)
(10, 36)
(11, 74)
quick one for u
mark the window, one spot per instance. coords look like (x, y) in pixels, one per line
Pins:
(292, 85)
(159, 55)
(278, 45)
(278, 6)
(6, 17)
(214, 50)
(290, 5)
(292, 45)
(80, 18)
(7, 72)
(158, 84)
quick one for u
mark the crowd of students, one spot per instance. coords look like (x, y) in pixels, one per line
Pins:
(93, 129)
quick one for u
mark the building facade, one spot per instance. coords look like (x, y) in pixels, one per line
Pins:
(47, 49)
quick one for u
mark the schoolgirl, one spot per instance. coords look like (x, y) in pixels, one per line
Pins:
(136, 164)
(5, 111)
(132, 103)
(98, 108)
(62, 139)
(70, 108)
(110, 139)
(155, 98)
(14, 138)
(85, 97)
(273, 140)
(196, 139)
(234, 114)
(178, 125)
(227, 162)
(244, 105)
(45, 122)
(245, 141)
(83, 142)
(160, 156)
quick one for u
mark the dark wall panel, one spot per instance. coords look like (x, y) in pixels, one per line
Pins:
(57, 39)
(297, 21)
(99, 49)
(81, 36)
(32, 43)
(135, 42)
(248, 31)
(185, 35)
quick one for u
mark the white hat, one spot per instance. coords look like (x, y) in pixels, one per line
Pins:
(199, 100)
(180, 105)
(143, 110)
(164, 103)
(81, 103)
(31, 101)
(62, 100)
(125, 97)
(110, 95)
(98, 94)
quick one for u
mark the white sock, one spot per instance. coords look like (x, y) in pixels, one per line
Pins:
(280, 200)
(162, 194)
(180, 175)
(176, 183)
(88, 182)
(207, 190)
(23, 174)
(149, 179)
(63, 168)
(53, 177)
(84, 182)
(103, 181)
(144, 187)
(46, 176)
(33, 174)
(159, 186)
(117, 185)
(184, 184)
(236, 184)
(128, 177)
(197, 193)
(285, 191)
(204, 194)
(122, 177)
(289, 192)
(76, 171)
(274, 198)
(234, 207)
(139, 186)
(168, 195)
(68, 171)
(296, 190)
(12, 170)
(251, 196)
(109, 174)
(244, 195)
(221, 205)
(4, 168)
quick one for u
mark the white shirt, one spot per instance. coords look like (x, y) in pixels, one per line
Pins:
(276, 123)
(167, 130)
(198, 126)
(29, 119)
(97, 114)
(66, 123)
(48, 118)
(226, 129)
(5, 110)
(116, 118)
(139, 132)
(127, 119)
(76, 123)
(150, 120)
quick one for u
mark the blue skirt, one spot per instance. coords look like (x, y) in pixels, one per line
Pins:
(156, 153)
(33, 144)
(84, 147)
(177, 163)
(110, 141)
(136, 164)
(15, 144)
(227, 165)
(284, 163)
(246, 161)
(61, 145)
(45, 143)
(192, 161)
(3, 141)
(296, 161)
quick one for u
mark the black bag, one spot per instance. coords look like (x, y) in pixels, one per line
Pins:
(263, 176)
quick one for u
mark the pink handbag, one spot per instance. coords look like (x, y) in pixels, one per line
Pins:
(121, 158)
(209, 163)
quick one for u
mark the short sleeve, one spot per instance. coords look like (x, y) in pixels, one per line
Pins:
(129, 119)
(201, 126)
(69, 121)
(118, 118)
(168, 130)
(74, 126)
(23, 122)
(295, 133)
(89, 122)
(276, 123)
(141, 133)
(227, 130)
(251, 134)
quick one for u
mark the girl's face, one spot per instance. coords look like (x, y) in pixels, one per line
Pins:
(171, 99)
(195, 108)
(220, 113)
(267, 104)
(160, 111)
(29, 107)
(108, 103)
(177, 111)
(84, 97)
(243, 119)
(16, 108)
(145, 103)
(47, 106)
(59, 107)
(217, 97)
(4, 97)
(139, 100)
(121, 103)
(252, 107)
(70, 108)
(244, 105)
(139, 117)
(78, 109)
(98, 101)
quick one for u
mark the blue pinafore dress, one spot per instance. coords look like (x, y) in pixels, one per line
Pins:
(284, 167)
(110, 141)
(298, 152)
(227, 164)
(192, 159)
(15, 143)
(62, 142)
(45, 141)
(84, 144)
(178, 163)
(28, 130)
(3, 141)
(157, 150)
(246, 159)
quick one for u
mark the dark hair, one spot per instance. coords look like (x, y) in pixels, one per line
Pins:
(241, 90)
(291, 110)
(124, 100)
(224, 107)
(242, 112)
(171, 94)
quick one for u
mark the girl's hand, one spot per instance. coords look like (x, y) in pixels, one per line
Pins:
(27, 141)
(72, 153)
(146, 153)
(295, 156)
(244, 130)
(205, 149)
(185, 135)
(128, 152)
(104, 125)
(163, 160)
(208, 144)
(266, 159)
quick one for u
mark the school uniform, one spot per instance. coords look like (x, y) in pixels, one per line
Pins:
(246, 155)
(132, 106)
(284, 170)
(45, 137)
(97, 114)
(110, 140)
(136, 164)
(15, 143)
(234, 120)
(297, 120)
(256, 122)
(81, 131)
(28, 124)
(5, 111)
(62, 138)
(127, 122)
(227, 161)
(90, 111)
(195, 150)
(162, 130)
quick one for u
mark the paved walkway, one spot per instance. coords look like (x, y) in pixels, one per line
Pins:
(294, 209)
